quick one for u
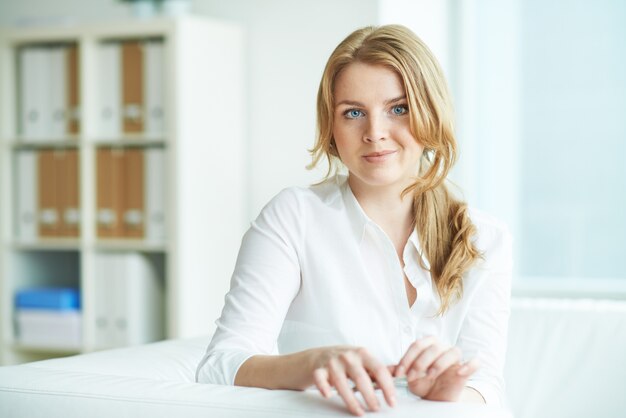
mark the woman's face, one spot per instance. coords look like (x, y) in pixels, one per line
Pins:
(371, 127)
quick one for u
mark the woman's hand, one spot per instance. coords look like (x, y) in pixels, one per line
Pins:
(435, 372)
(334, 366)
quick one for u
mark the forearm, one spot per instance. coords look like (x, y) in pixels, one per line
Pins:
(289, 371)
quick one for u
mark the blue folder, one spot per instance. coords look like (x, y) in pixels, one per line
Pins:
(54, 298)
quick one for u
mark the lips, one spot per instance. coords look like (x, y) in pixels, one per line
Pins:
(379, 156)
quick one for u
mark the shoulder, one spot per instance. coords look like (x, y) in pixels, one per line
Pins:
(493, 237)
(298, 201)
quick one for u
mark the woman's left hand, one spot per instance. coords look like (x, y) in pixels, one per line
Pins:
(433, 371)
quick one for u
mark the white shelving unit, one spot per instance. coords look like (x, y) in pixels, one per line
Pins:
(204, 155)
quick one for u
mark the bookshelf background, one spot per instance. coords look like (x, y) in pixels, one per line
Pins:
(198, 143)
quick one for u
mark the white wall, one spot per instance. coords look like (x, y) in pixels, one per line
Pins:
(288, 44)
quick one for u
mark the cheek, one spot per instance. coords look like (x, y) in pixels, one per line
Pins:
(344, 131)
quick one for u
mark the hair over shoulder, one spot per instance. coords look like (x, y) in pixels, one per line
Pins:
(441, 220)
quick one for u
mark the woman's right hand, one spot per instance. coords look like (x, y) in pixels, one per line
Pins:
(335, 366)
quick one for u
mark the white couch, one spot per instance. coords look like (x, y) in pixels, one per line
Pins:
(565, 360)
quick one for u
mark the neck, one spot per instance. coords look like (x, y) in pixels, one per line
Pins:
(385, 205)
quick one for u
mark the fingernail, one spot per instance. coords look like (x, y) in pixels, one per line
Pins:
(392, 399)
(462, 370)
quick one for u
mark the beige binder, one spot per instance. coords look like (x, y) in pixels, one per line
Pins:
(73, 90)
(109, 193)
(48, 214)
(133, 201)
(69, 194)
(132, 86)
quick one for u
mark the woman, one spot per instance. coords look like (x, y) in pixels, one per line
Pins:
(379, 274)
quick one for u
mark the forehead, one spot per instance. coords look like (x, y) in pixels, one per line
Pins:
(367, 83)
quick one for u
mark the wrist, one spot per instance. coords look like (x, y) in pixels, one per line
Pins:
(278, 371)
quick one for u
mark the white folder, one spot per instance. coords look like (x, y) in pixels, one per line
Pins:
(138, 301)
(109, 91)
(154, 189)
(26, 210)
(153, 88)
(106, 271)
(56, 116)
(34, 93)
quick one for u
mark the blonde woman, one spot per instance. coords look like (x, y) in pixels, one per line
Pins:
(380, 274)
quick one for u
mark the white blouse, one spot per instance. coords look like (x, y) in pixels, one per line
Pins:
(313, 270)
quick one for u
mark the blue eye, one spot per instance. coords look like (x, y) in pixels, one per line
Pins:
(353, 114)
(400, 110)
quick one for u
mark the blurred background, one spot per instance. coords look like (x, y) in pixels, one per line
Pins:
(540, 94)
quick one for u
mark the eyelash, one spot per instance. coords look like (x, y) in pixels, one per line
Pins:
(405, 108)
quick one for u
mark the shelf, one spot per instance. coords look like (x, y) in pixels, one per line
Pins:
(60, 143)
(131, 141)
(50, 244)
(130, 245)
(47, 350)
(175, 170)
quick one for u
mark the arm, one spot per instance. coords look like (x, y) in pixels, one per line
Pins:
(434, 371)
(290, 371)
(264, 283)
(484, 330)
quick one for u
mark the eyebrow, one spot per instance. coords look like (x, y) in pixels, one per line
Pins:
(355, 103)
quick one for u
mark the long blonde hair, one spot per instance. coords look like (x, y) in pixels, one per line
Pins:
(442, 222)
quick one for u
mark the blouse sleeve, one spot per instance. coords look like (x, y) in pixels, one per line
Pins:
(265, 282)
(484, 330)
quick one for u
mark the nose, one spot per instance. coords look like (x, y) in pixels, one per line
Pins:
(376, 130)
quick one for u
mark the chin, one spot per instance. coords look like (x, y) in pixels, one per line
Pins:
(381, 180)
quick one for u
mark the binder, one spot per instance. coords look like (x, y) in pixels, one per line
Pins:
(105, 264)
(109, 162)
(56, 85)
(154, 88)
(110, 98)
(155, 194)
(129, 300)
(138, 308)
(47, 193)
(70, 195)
(73, 89)
(34, 92)
(26, 190)
(133, 186)
(132, 87)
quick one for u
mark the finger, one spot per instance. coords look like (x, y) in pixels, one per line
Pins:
(382, 375)
(411, 354)
(340, 381)
(469, 368)
(423, 361)
(446, 360)
(320, 377)
(363, 384)
(354, 363)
